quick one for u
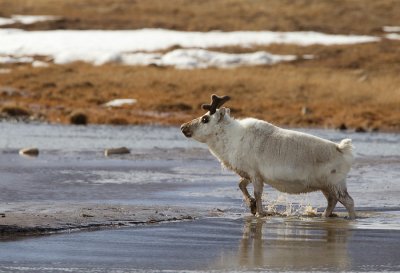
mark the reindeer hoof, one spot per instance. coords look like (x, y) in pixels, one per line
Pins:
(253, 206)
(330, 215)
(262, 214)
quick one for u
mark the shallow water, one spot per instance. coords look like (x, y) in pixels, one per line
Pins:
(211, 244)
(166, 168)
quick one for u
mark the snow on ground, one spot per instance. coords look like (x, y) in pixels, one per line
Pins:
(26, 19)
(391, 28)
(200, 58)
(393, 36)
(15, 59)
(37, 63)
(102, 46)
(6, 21)
(120, 102)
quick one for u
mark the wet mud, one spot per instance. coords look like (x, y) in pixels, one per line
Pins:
(29, 219)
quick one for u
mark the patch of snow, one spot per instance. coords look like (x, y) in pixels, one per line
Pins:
(393, 36)
(26, 19)
(141, 58)
(6, 21)
(12, 59)
(120, 102)
(101, 46)
(391, 28)
(200, 58)
(39, 64)
(31, 19)
(308, 57)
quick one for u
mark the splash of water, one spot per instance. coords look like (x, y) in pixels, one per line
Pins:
(282, 206)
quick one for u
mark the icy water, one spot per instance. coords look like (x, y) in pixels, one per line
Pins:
(166, 168)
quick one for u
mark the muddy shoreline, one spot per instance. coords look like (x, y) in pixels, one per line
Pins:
(29, 219)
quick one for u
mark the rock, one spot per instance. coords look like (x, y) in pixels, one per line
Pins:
(305, 111)
(342, 127)
(29, 151)
(363, 78)
(78, 118)
(15, 111)
(360, 130)
(86, 215)
(116, 151)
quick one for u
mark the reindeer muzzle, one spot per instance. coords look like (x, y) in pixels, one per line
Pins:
(186, 130)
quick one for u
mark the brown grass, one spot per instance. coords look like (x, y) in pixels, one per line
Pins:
(331, 16)
(367, 95)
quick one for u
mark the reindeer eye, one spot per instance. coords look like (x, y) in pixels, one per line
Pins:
(205, 119)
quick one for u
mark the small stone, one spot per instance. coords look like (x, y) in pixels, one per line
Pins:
(78, 118)
(305, 110)
(342, 127)
(29, 151)
(360, 130)
(87, 215)
(116, 151)
(363, 78)
(15, 111)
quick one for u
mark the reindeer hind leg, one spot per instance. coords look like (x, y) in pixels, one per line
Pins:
(348, 202)
(332, 201)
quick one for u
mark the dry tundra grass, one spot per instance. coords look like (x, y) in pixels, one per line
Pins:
(331, 16)
(355, 86)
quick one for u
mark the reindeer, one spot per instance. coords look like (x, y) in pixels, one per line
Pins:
(261, 153)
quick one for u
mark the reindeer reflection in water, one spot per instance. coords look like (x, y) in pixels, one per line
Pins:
(291, 244)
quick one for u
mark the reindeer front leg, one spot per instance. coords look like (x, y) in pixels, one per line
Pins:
(258, 190)
(250, 201)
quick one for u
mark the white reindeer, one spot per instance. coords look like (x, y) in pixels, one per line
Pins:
(260, 152)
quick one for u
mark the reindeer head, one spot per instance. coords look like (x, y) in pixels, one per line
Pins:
(204, 127)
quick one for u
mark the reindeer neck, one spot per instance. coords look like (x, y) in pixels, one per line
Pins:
(224, 142)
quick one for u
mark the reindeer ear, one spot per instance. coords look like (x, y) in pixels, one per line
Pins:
(222, 112)
(227, 111)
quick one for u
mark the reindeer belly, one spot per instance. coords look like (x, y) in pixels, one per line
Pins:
(291, 180)
(292, 186)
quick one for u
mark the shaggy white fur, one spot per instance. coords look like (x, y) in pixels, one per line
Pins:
(289, 161)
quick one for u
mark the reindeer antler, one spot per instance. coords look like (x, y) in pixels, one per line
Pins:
(216, 103)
